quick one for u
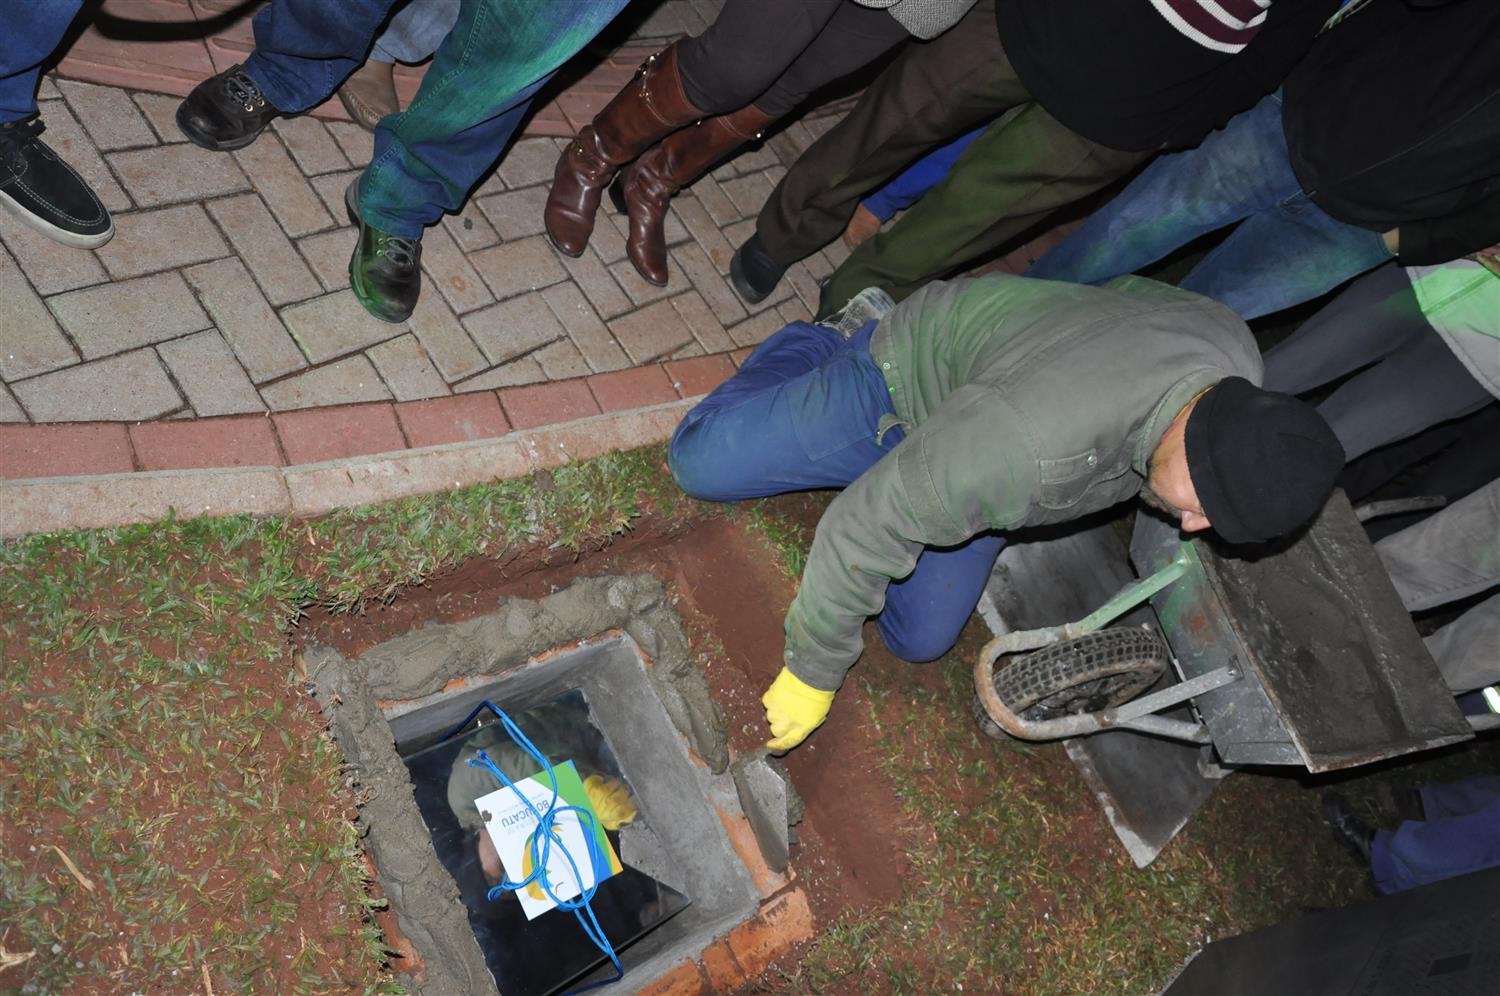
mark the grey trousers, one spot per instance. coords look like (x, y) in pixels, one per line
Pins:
(1452, 555)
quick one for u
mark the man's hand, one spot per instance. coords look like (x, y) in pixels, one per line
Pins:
(1392, 241)
(1487, 258)
(793, 709)
(611, 801)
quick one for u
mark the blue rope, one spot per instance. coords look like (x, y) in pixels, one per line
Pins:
(541, 842)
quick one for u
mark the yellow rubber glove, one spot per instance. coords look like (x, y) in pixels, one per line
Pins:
(611, 801)
(794, 709)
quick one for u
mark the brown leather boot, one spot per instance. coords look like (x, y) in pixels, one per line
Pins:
(654, 179)
(652, 106)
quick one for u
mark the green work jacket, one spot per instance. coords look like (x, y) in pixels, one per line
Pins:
(1024, 402)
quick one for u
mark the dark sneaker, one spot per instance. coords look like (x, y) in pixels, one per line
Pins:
(1351, 831)
(753, 272)
(225, 112)
(385, 270)
(45, 193)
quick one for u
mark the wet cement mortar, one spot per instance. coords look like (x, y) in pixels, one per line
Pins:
(421, 663)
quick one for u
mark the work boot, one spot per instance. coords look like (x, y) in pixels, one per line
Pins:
(652, 106)
(650, 183)
(385, 271)
(44, 192)
(752, 271)
(369, 93)
(225, 112)
(1353, 832)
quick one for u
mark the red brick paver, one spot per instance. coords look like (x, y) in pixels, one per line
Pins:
(316, 434)
(240, 441)
(461, 418)
(637, 388)
(546, 404)
(61, 450)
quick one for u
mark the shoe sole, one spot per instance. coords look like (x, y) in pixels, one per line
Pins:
(566, 252)
(62, 235)
(203, 142)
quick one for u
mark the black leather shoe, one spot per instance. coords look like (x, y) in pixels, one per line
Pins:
(45, 193)
(225, 112)
(385, 270)
(753, 272)
(1353, 832)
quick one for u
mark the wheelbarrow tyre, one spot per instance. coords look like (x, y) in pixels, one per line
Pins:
(1086, 674)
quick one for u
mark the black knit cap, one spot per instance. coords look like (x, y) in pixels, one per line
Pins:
(1262, 463)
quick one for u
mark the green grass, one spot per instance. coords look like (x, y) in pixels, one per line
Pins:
(152, 728)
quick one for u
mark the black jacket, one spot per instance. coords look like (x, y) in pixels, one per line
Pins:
(1117, 73)
(1393, 121)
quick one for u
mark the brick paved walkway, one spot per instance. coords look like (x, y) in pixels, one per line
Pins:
(211, 358)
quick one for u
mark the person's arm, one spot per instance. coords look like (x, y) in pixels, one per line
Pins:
(1438, 240)
(927, 492)
(918, 178)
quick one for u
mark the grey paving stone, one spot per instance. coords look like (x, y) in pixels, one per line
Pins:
(748, 193)
(108, 115)
(283, 187)
(560, 360)
(654, 331)
(444, 338)
(608, 240)
(126, 387)
(717, 203)
(584, 328)
(148, 241)
(31, 342)
(310, 144)
(406, 369)
(356, 143)
(597, 285)
(756, 329)
(703, 323)
(531, 160)
(328, 255)
(245, 319)
(10, 409)
(703, 229)
(710, 283)
(350, 379)
(171, 174)
(793, 310)
(511, 328)
(161, 110)
(804, 284)
(514, 267)
(449, 270)
(516, 214)
(470, 229)
(265, 249)
(48, 90)
(111, 318)
(526, 370)
(755, 158)
(690, 350)
(643, 293)
(52, 266)
(208, 373)
(331, 187)
(68, 139)
(335, 324)
(836, 252)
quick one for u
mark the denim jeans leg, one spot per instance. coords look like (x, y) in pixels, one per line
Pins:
(1283, 256)
(499, 53)
(1237, 171)
(305, 48)
(802, 412)
(926, 610)
(25, 43)
(416, 30)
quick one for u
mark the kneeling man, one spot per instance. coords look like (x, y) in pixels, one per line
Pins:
(978, 406)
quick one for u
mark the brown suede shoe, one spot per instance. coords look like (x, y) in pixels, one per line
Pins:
(650, 183)
(369, 94)
(652, 106)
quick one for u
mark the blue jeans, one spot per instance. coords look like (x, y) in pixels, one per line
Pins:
(802, 413)
(1461, 834)
(1286, 249)
(473, 97)
(26, 40)
(416, 31)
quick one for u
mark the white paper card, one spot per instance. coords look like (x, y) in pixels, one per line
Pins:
(510, 826)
